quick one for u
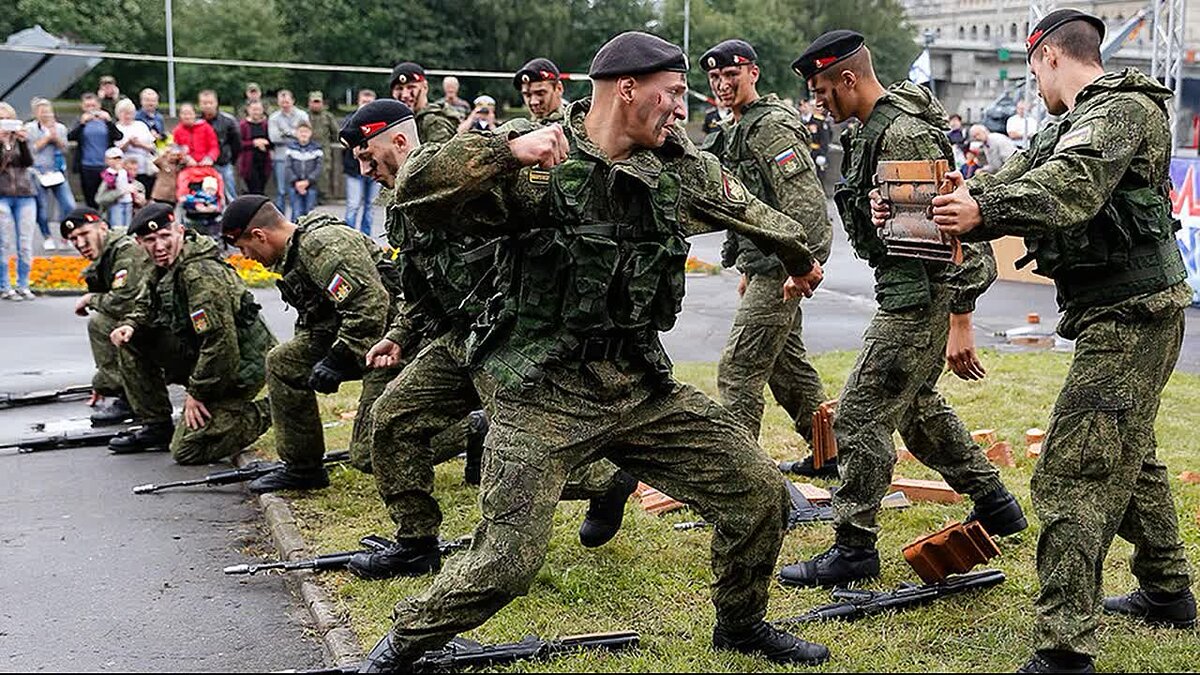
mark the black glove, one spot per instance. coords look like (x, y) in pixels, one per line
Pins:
(327, 374)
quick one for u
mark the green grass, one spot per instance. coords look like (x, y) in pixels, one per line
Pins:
(655, 580)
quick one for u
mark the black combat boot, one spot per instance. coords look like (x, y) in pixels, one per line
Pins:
(839, 565)
(1058, 661)
(155, 437)
(1166, 610)
(828, 469)
(287, 478)
(477, 428)
(408, 557)
(763, 639)
(116, 411)
(605, 513)
(384, 658)
(999, 513)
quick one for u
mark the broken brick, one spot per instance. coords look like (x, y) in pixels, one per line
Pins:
(903, 455)
(654, 502)
(936, 491)
(813, 493)
(1034, 450)
(955, 549)
(1190, 477)
(1001, 454)
(1034, 435)
(824, 444)
(984, 437)
(348, 414)
(895, 500)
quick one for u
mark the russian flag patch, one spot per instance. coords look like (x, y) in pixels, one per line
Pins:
(339, 289)
(199, 320)
(786, 156)
(788, 162)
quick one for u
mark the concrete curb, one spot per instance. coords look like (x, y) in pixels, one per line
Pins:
(340, 641)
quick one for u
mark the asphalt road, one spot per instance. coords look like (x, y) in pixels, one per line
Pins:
(95, 578)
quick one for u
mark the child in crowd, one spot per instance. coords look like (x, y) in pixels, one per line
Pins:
(303, 169)
(971, 160)
(169, 163)
(136, 189)
(204, 200)
(115, 192)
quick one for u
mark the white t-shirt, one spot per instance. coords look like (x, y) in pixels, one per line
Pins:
(1024, 127)
(137, 129)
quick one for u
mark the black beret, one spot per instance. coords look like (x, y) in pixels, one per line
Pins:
(80, 215)
(238, 215)
(729, 53)
(406, 72)
(371, 120)
(1055, 20)
(152, 218)
(537, 70)
(636, 53)
(826, 51)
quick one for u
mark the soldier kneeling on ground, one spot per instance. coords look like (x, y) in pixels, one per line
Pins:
(194, 323)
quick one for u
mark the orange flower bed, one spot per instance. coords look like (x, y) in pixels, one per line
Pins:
(697, 266)
(65, 272)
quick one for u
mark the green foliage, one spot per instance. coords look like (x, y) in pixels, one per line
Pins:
(655, 580)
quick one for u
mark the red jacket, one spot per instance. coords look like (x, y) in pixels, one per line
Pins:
(200, 140)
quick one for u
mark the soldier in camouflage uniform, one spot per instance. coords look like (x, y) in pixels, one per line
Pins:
(764, 144)
(325, 130)
(118, 268)
(1091, 198)
(436, 122)
(333, 275)
(194, 323)
(540, 85)
(444, 275)
(894, 382)
(591, 271)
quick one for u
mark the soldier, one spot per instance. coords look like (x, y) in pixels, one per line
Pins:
(325, 131)
(570, 343)
(330, 275)
(820, 131)
(540, 84)
(436, 122)
(894, 383)
(764, 146)
(1091, 199)
(118, 268)
(194, 323)
(444, 278)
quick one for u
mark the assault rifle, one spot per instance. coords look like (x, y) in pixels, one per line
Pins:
(79, 438)
(249, 472)
(10, 400)
(462, 653)
(850, 604)
(336, 561)
(801, 512)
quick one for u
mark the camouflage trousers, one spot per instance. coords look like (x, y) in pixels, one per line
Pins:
(155, 358)
(1099, 477)
(894, 386)
(766, 348)
(677, 439)
(107, 380)
(299, 434)
(419, 422)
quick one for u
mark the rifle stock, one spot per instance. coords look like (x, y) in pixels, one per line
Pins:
(249, 472)
(68, 439)
(10, 400)
(336, 561)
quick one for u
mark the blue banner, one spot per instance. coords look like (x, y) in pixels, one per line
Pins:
(1185, 202)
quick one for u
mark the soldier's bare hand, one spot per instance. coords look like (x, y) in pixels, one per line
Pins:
(961, 356)
(742, 283)
(96, 397)
(195, 414)
(546, 147)
(795, 287)
(81, 304)
(881, 209)
(956, 213)
(384, 354)
(121, 335)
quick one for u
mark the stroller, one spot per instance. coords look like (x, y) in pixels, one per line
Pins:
(200, 190)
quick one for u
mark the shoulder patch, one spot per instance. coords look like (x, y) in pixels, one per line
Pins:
(120, 279)
(1071, 139)
(199, 320)
(339, 289)
(734, 190)
(788, 161)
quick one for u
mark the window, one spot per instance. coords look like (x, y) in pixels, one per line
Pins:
(974, 32)
(987, 32)
(1012, 32)
(962, 33)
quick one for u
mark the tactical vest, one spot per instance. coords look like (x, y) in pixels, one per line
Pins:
(900, 283)
(98, 275)
(1128, 249)
(599, 285)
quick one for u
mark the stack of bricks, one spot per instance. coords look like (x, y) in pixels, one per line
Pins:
(655, 502)
(824, 445)
(1034, 438)
(953, 550)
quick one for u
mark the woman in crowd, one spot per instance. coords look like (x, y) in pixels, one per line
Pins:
(18, 204)
(95, 133)
(254, 161)
(47, 139)
(137, 142)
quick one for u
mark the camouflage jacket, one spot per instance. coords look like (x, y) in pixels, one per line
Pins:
(437, 122)
(325, 128)
(206, 305)
(115, 278)
(330, 275)
(768, 150)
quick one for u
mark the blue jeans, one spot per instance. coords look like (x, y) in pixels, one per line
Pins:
(66, 202)
(303, 203)
(22, 213)
(360, 194)
(120, 215)
(229, 177)
(281, 185)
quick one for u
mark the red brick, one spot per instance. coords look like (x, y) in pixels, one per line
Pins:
(927, 490)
